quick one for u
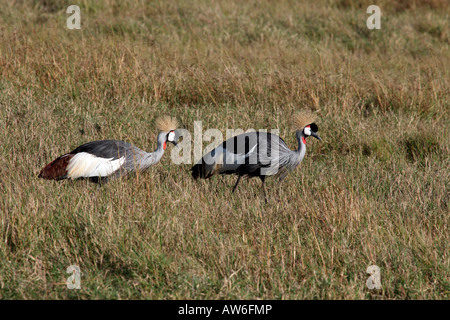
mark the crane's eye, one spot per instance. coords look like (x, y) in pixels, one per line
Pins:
(171, 136)
(307, 131)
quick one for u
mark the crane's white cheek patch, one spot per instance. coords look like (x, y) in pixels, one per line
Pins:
(307, 131)
(171, 136)
(86, 165)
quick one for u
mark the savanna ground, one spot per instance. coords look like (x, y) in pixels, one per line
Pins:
(375, 190)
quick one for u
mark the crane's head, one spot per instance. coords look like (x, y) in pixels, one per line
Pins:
(311, 130)
(305, 125)
(167, 130)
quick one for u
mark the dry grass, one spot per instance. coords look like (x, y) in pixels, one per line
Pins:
(374, 191)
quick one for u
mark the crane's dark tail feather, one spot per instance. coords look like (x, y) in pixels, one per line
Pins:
(202, 170)
(196, 171)
(57, 169)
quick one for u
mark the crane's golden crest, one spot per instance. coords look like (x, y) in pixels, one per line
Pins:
(166, 123)
(302, 118)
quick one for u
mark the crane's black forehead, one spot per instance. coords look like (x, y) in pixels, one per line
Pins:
(314, 127)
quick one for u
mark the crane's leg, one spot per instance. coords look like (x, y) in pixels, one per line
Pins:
(237, 182)
(98, 180)
(263, 179)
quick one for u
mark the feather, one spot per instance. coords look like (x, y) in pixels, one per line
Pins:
(302, 118)
(57, 169)
(166, 123)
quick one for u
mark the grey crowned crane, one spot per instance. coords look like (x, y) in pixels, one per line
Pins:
(258, 154)
(102, 160)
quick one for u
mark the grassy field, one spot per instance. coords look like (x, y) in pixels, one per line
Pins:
(375, 190)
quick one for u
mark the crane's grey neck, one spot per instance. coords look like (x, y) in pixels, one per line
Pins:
(301, 144)
(158, 153)
(155, 156)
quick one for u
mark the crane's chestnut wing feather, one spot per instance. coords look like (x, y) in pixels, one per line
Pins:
(57, 169)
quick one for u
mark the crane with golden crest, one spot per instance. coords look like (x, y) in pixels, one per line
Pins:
(258, 154)
(102, 160)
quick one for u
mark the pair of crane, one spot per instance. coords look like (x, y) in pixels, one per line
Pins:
(252, 154)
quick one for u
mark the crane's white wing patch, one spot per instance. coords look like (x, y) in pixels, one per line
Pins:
(86, 165)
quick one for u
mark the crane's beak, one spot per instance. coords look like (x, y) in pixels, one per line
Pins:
(174, 143)
(315, 135)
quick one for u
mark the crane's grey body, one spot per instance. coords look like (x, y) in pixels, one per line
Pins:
(255, 154)
(105, 159)
(132, 158)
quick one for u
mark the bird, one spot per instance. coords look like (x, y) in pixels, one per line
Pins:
(258, 154)
(103, 160)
